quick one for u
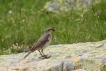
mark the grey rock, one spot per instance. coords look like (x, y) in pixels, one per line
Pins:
(51, 6)
(68, 56)
(68, 66)
(104, 61)
(82, 58)
(99, 46)
(65, 5)
(56, 68)
(57, 54)
(80, 70)
(64, 57)
(99, 56)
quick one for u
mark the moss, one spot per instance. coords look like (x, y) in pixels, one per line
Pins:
(102, 67)
(87, 64)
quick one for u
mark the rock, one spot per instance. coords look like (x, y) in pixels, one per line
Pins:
(67, 66)
(64, 57)
(99, 56)
(51, 6)
(80, 70)
(83, 58)
(104, 61)
(57, 67)
(67, 5)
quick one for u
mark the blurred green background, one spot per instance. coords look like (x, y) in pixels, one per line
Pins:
(23, 22)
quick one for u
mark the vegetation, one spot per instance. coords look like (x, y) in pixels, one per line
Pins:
(90, 65)
(23, 22)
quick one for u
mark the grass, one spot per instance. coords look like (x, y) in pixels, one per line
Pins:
(22, 23)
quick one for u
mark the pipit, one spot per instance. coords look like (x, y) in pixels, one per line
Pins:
(42, 43)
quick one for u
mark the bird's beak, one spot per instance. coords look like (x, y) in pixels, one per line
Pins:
(53, 28)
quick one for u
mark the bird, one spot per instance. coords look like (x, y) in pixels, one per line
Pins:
(42, 43)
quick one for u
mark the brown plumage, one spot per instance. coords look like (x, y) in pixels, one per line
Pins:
(43, 42)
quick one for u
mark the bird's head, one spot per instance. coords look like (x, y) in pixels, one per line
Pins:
(50, 29)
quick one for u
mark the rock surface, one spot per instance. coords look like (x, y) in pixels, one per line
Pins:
(68, 5)
(89, 56)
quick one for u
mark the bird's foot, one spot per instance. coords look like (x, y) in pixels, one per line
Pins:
(45, 56)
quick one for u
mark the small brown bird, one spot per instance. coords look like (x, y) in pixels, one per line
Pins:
(42, 43)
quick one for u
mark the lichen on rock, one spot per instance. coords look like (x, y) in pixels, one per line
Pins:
(67, 57)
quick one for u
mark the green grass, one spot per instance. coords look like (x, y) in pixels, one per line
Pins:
(27, 23)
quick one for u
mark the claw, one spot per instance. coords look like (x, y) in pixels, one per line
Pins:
(45, 56)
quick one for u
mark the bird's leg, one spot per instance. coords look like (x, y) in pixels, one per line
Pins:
(46, 56)
(40, 53)
(43, 53)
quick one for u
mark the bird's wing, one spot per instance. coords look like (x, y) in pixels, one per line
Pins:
(41, 42)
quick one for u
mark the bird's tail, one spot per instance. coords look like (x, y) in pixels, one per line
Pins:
(26, 55)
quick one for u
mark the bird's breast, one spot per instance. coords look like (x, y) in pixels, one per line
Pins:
(49, 40)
